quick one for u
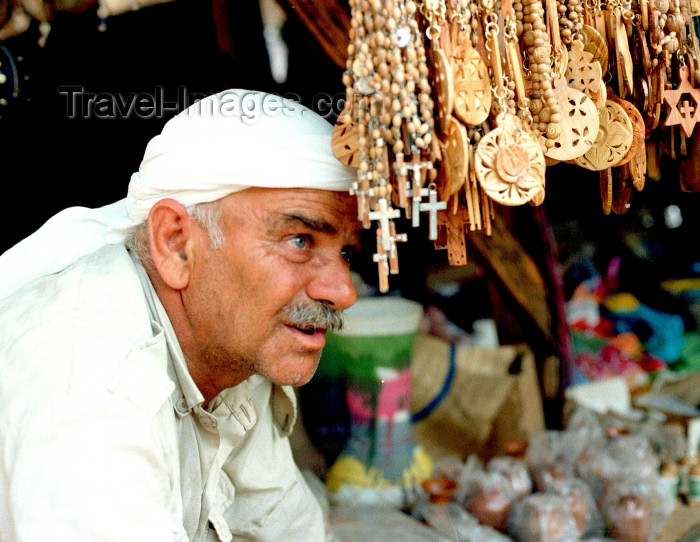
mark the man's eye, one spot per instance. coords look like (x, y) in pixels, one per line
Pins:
(300, 242)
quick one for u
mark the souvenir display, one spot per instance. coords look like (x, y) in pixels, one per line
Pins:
(455, 107)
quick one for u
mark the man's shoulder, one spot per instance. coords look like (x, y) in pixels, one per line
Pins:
(88, 317)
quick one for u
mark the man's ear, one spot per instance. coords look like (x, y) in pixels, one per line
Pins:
(170, 242)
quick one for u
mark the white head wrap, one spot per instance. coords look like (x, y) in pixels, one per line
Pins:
(222, 144)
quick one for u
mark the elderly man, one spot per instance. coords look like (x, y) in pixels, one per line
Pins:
(147, 347)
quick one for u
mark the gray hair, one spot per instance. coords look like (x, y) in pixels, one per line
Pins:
(208, 215)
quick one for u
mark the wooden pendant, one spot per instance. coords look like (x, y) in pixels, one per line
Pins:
(509, 163)
(579, 123)
(594, 43)
(621, 191)
(472, 85)
(613, 142)
(444, 87)
(344, 140)
(638, 131)
(452, 226)
(688, 114)
(689, 167)
(638, 167)
(624, 58)
(656, 96)
(537, 199)
(585, 74)
(606, 184)
(455, 158)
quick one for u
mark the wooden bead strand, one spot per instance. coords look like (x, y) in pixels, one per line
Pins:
(543, 104)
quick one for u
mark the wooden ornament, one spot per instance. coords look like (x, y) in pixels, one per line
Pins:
(657, 85)
(444, 86)
(621, 190)
(578, 125)
(613, 142)
(624, 57)
(685, 112)
(509, 163)
(453, 225)
(537, 199)
(472, 103)
(638, 131)
(344, 140)
(638, 167)
(594, 43)
(606, 190)
(455, 158)
(585, 74)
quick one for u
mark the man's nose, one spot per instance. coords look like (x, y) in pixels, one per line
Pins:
(332, 284)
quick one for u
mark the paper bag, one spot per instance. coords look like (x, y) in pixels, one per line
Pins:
(471, 400)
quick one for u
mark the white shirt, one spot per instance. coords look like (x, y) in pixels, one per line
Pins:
(102, 433)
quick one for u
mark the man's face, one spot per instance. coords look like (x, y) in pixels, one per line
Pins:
(282, 247)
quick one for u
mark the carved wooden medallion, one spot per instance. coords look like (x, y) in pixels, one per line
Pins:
(579, 123)
(455, 158)
(509, 163)
(638, 129)
(344, 139)
(584, 73)
(594, 43)
(472, 86)
(613, 142)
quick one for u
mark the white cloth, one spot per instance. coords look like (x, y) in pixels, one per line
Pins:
(222, 144)
(102, 430)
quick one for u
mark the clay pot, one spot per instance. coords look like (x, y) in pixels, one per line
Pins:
(439, 489)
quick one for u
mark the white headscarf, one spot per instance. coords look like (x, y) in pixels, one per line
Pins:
(222, 144)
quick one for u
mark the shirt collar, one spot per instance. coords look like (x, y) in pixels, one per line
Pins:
(192, 396)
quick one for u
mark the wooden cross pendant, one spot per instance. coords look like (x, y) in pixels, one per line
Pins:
(387, 260)
(415, 165)
(363, 192)
(402, 180)
(381, 258)
(384, 216)
(432, 207)
(455, 225)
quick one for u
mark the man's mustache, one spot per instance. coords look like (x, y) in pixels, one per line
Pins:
(314, 314)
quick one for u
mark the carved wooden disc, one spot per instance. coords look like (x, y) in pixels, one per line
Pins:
(638, 128)
(579, 123)
(444, 86)
(472, 86)
(584, 73)
(594, 43)
(455, 157)
(509, 163)
(613, 142)
(638, 167)
(344, 139)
